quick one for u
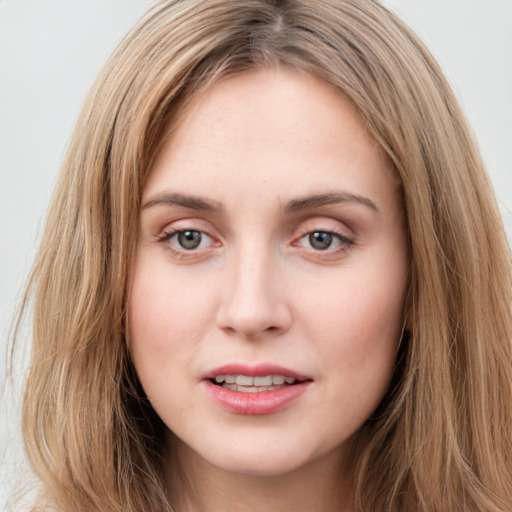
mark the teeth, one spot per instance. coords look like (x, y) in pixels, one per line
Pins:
(250, 389)
(243, 380)
(253, 384)
(263, 381)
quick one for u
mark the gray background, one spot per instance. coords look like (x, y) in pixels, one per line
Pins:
(50, 52)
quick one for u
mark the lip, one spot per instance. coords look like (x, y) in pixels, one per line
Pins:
(258, 403)
(259, 370)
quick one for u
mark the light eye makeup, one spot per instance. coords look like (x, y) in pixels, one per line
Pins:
(318, 237)
(320, 240)
(186, 240)
(323, 242)
(324, 237)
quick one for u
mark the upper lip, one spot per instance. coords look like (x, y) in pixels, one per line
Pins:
(255, 370)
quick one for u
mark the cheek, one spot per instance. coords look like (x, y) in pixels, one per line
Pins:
(356, 322)
(359, 311)
(165, 327)
(160, 313)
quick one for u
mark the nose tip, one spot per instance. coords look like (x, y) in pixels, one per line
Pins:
(249, 329)
(253, 307)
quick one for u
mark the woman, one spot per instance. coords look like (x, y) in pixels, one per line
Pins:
(273, 276)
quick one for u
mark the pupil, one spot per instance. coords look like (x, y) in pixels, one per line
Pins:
(320, 240)
(189, 239)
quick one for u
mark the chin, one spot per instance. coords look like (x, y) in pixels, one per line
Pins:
(273, 457)
(260, 464)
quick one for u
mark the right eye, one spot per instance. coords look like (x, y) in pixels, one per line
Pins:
(187, 240)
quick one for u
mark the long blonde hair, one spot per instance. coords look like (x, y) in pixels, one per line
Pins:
(442, 438)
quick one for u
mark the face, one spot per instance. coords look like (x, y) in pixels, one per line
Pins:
(268, 291)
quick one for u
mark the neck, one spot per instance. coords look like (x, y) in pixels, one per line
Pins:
(198, 486)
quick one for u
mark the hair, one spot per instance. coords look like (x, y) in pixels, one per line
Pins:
(442, 438)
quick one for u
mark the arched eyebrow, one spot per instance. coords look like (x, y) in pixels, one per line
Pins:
(184, 200)
(294, 206)
(318, 200)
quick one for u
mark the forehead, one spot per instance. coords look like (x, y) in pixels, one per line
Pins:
(284, 101)
(280, 127)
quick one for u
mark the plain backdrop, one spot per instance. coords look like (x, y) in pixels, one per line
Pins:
(50, 52)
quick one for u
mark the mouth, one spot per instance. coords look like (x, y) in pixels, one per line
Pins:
(255, 390)
(253, 384)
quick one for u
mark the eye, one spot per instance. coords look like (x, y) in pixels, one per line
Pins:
(324, 241)
(187, 239)
(320, 240)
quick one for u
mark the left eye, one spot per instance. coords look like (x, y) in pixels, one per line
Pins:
(323, 240)
(190, 239)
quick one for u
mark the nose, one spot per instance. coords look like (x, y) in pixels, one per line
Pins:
(255, 299)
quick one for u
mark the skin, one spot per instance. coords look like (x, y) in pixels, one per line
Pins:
(258, 289)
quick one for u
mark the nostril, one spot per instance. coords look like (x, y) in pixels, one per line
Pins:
(252, 312)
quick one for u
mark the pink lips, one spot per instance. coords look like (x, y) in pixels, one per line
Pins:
(256, 403)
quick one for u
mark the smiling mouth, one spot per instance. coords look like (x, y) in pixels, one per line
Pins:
(249, 384)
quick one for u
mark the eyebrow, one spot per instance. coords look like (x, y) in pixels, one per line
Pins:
(186, 201)
(294, 206)
(315, 201)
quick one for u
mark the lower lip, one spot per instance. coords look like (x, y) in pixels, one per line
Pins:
(264, 402)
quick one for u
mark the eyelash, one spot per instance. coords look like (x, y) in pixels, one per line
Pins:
(344, 243)
(167, 236)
